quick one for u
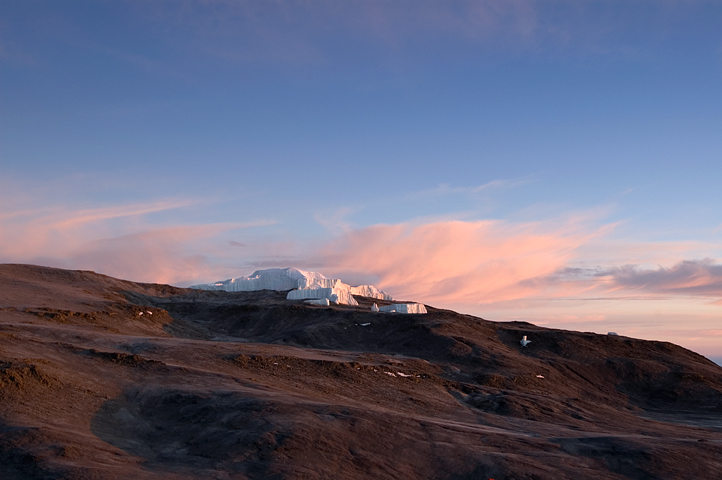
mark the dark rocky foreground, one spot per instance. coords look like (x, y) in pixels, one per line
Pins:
(248, 385)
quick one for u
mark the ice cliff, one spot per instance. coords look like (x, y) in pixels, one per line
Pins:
(403, 308)
(302, 285)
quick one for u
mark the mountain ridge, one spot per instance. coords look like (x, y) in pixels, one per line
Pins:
(107, 378)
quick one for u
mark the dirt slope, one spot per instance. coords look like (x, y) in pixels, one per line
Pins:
(109, 379)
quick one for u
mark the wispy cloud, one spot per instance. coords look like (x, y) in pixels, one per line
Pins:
(171, 255)
(503, 184)
(488, 188)
(508, 265)
(83, 217)
(711, 333)
(126, 240)
(176, 255)
(472, 262)
(61, 228)
(688, 277)
(336, 221)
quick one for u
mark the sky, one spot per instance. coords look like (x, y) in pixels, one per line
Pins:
(549, 161)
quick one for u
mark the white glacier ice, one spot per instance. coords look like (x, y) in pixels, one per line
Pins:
(270, 279)
(309, 283)
(302, 285)
(336, 295)
(404, 308)
(370, 291)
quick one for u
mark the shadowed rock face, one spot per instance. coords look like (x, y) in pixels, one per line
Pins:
(103, 378)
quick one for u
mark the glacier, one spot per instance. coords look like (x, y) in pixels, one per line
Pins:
(303, 285)
(270, 279)
(336, 295)
(403, 308)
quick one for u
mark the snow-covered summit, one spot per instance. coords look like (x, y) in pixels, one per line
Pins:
(303, 285)
(270, 279)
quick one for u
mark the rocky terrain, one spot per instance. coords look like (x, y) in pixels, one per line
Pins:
(108, 379)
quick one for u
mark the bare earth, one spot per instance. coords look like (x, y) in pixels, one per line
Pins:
(107, 379)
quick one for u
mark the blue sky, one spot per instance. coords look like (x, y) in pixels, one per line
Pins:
(570, 150)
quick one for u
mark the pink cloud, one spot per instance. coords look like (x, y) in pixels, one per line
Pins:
(115, 240)
(711, 333)
(82, 217)
(58, 230)
(177, 255)
(453, 261)
(159, 255)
